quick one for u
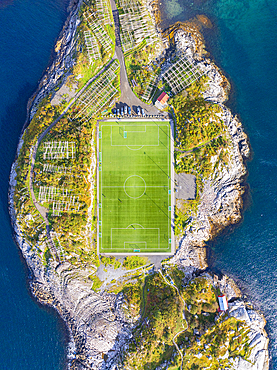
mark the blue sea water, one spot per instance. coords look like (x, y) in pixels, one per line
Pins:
(243, 43)
(31, 337)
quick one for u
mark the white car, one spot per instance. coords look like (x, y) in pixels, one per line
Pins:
(138, 111)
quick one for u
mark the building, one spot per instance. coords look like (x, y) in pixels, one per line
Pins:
(223, 304)
(161, 102)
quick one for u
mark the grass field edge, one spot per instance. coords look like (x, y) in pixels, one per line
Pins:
(97, 183)
(172, 172)
(172, 175)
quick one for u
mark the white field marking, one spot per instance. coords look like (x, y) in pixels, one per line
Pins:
(160, 123)
(171, 128)
(145, 228)
(145, 244)
(158, 127)
(102, 228)
(133, 148)
(136, 126)
(148, 186)
(127, 253)
(134, 225)
(124, 186)
(168, 195)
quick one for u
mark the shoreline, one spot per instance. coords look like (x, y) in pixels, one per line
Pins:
(34, 100)
(72, 9)
(30, 278)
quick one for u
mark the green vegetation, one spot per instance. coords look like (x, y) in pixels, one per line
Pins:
(68, 176)
(198, 122)
(110, 261)
(205, 340)
(96, 282)
(83, 70)
(133, 295)
(133, 262)
(161, 320)
(141, 70)
(30, 222)
(134, 187)
(202, 144)
(205, 160)
(135, 199)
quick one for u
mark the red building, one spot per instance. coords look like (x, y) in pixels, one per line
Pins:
(161, 102)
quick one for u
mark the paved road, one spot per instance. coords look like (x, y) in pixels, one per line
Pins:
(127, 95)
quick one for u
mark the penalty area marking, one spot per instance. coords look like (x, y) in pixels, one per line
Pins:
(137, 132)
(139, 229)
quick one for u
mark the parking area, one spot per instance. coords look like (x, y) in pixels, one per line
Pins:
(123, 110)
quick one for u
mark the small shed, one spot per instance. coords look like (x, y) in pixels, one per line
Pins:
(223, 304)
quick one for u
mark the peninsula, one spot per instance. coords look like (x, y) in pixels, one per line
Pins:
(128, 164)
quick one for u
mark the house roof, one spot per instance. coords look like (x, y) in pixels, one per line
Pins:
(163, 98)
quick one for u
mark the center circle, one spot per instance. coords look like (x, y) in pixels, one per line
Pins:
(134, 186)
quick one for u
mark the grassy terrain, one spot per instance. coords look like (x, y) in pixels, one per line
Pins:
(29, 220)
(70, 229)
(204, 341)
(134, 193)
(161, 320)
(93, 95)
(140, 67)
(202, 144)
(133, 262)
(82, 70)
(75, 180)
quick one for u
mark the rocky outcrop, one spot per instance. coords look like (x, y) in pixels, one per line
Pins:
(258, 340)
(95, 324)
(221, 205)
(258, 359)
(63, 60)
(221, 197)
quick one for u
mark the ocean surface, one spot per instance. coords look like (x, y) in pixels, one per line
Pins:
(243, 43)
(31, 337)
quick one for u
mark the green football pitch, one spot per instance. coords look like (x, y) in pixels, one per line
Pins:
(134, 187)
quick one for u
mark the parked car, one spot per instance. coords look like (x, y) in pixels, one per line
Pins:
(125, 109)
(138, 111)
(129, 110)
(142, 112)
(117, 111)
(121, 111)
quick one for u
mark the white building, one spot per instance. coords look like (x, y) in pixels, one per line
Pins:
(223, 304)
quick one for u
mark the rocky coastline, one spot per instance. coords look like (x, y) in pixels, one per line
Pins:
(98, 328)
